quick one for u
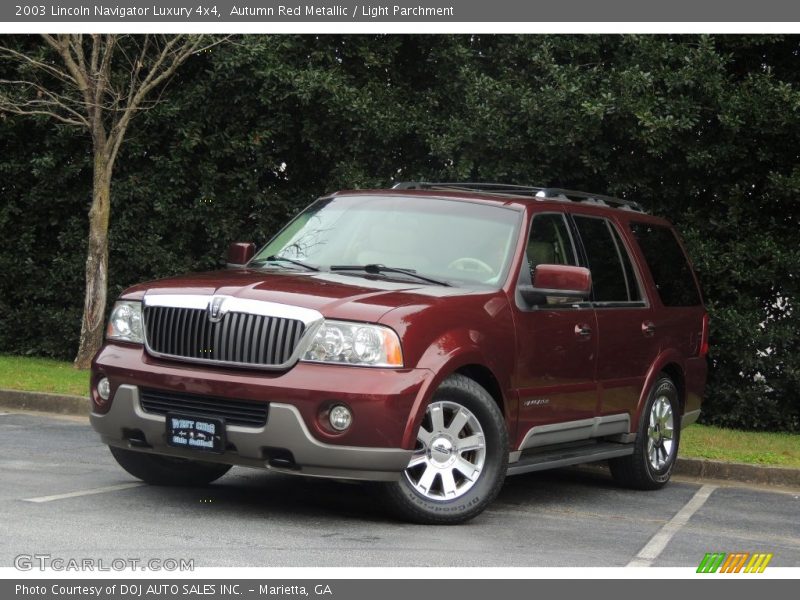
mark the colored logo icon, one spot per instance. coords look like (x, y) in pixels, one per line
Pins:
(736, 562)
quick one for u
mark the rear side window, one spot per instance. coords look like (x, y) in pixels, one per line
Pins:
(613, 279)
(668, 265)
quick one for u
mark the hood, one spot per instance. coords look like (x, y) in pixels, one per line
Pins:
(335, 295)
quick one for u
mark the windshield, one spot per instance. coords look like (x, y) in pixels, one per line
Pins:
(449, 240)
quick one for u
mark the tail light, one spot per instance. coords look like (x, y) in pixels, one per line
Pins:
(704, 337)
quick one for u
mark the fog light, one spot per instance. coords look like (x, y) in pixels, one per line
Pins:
(340, 417)
(104, 388)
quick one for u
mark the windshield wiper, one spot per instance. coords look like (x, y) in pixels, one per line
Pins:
(276, 258)
(376, 269)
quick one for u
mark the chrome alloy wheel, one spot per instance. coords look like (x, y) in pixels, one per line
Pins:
(660, 433)
(450, 452)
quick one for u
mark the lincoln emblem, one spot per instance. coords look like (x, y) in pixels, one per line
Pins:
(215, 309)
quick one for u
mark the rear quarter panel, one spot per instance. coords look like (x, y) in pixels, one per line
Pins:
(679, 328)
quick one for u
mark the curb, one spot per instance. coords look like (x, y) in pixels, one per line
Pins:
(697, 468)
(700, 468)
(43, 402)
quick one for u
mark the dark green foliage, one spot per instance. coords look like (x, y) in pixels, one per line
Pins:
(704, 130)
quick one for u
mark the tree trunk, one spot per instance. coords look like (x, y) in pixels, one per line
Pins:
(94, 306)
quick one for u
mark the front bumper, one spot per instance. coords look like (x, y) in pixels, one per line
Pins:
(126, 425)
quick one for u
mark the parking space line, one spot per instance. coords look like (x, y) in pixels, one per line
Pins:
(659, 541)
(91, 492)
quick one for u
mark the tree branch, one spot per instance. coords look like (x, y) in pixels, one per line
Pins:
(75, 43)
(174, 53)
(44, 98)
(92, 97)
(61, 46)
(18, 110)
(38, 64)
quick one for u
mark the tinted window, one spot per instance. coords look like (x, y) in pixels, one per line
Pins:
(613, 278)
(550, 242)
(668, 265)
(632, 284)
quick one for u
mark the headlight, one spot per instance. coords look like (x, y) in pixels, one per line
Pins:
(361, 344)
(125, 323)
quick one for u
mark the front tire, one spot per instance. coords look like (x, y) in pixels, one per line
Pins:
(460, 461)
(656, 447)
(166, 470)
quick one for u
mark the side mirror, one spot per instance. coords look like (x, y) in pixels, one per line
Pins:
(240, 253)
(561, 281)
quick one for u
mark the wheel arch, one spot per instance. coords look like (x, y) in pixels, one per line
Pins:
(472, 364)
(671, 363)
(675, 372)
(484, 377)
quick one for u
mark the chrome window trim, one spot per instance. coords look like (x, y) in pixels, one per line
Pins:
(311, 319)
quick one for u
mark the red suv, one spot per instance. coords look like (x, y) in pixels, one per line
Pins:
(431, 337)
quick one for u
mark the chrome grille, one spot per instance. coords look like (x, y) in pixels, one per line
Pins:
(237, 338)
(235, 412)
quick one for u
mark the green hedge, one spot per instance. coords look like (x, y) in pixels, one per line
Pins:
(701, 129)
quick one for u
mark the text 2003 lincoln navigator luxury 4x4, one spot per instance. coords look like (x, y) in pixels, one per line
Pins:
(432, 337)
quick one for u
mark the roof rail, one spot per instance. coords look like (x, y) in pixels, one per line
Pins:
(590, 198)
(501, 188)
(524, 190)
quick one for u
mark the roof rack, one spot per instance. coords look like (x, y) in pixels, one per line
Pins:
(524, 190)
(501, 188)
(590, 198)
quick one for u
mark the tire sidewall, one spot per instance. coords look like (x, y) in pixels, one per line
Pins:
(663, 387)
(493, 473)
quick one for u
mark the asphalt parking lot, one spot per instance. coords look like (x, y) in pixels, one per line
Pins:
(64, 495)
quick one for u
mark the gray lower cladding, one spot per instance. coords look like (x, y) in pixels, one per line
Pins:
(690, 417)
(284, 429)
(572, 431)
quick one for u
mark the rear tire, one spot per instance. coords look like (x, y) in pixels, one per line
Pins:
(656, 447)
(166, 470)
(461, 458)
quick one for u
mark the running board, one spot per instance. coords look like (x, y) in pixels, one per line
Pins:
(564, 457)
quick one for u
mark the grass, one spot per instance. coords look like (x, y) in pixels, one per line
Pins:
(42, 375)
(751, 447)
(697, 441)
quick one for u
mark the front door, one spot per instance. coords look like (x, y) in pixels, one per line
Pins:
(557, 343)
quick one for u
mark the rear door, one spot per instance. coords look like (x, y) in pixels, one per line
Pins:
(679, 317)
(626, 332)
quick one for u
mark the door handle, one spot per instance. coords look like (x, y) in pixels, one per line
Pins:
(648, 328)
(583, 330)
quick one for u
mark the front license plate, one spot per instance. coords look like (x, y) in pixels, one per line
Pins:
(196, 433)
